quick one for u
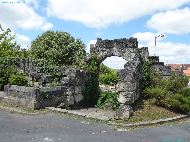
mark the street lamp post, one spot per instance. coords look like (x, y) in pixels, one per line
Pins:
(155, 40)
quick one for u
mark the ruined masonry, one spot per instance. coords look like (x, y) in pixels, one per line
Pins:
(73, 80)
(130, 82)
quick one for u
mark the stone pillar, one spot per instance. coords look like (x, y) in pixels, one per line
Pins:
(38, 101)
(125, 110)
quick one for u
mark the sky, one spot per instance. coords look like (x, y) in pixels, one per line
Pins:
(106, 19)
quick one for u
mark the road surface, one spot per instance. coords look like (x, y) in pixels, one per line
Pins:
(53, 127)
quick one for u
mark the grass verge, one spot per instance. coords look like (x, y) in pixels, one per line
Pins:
(146, 110)
(21, 110)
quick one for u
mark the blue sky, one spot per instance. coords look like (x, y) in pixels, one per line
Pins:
(107, 19)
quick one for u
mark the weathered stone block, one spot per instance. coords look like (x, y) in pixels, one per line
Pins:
(124, 112)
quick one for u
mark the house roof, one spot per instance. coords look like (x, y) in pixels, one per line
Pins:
(186, 72)
(174, 66)
(178, 66)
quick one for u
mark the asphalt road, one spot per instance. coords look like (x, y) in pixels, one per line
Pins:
(58, 128)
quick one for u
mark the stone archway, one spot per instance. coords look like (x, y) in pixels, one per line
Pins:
(114, 62)
(129, 85)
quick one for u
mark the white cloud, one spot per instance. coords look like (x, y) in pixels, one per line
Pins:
(23, 41)
(47, 26)
(173, 22)
(102, 13)
(32, 3)
(21, 16)
(148, 36)
(169, 52)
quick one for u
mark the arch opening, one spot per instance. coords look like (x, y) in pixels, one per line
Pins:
(115, 62)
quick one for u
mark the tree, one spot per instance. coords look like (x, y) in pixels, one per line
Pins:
(8, 47)
(57, 48)
(9, 51)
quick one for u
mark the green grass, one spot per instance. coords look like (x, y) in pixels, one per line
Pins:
(21, 110)
(146, 110)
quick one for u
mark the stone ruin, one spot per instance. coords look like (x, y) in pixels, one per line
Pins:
(130, 82)
(73, 80)
(41, 93)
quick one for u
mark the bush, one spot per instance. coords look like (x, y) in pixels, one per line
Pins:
(5, 74)
(108, 101)
(176, 83)
(185, 91)
(104, 69)
(169, 92)
(180, 103)
(146, 74)
(57, 48)
(91, 91)
(18, 79)
(107, 76)
(160, 95)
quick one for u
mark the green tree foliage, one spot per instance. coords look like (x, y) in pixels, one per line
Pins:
(18, 79)
(57, 48)
(9, 53)
(8, 47)
(169, 92)
(146, 73)
(91, 91)
(5, 74)
(107, 75)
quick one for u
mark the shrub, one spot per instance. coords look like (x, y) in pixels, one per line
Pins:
(18, 79)
(176, 83)
(107, 76)
(104, 69)
(57, 48)
(146, 74)
(169, 92)
(160, 95)
(108, 101)
(180, 103)
(185, 91)
(5, 73)
(108, 79)
(91, 92)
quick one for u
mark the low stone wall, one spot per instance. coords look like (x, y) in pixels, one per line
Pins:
(37, 98)
(159, 67)
(162, 69)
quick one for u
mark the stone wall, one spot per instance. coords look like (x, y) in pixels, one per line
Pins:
(38, 98)
(129, 86)
(159, 67)
(125, 48)
(130, 82)
(73, 80)
(44, 92)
